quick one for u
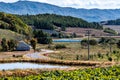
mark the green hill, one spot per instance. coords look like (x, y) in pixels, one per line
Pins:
(10, 35)
(11, 22)
(51, 21)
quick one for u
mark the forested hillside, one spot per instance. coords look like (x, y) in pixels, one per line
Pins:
(11, 22)
(113, 22)
(51, 21)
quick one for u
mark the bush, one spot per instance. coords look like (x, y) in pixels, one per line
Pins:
(114, 52)
(61, 57)
(93, 42)
(118, 44)
(6, 79)
(107, 54)
(110, 58)
(99, 55)
(77, 57)
(60, 46)
(84, 43)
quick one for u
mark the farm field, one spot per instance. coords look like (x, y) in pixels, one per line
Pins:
(114, 27)
(109, 73)
(83, 31)
(74, 51)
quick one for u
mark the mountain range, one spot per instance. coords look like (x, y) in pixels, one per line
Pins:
(32, 8)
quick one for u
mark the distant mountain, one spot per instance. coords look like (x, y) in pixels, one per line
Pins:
(29, 7)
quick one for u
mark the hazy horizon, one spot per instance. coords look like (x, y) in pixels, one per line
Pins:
(87, 4)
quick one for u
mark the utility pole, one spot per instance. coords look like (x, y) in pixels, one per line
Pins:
(88, 33)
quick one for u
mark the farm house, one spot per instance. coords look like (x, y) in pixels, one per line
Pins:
(22, 46)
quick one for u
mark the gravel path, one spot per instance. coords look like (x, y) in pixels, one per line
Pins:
(39, 55)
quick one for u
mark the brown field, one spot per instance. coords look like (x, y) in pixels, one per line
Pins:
(83, 31)
(114, 27)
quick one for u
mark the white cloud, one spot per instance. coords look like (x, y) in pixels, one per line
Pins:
(8, 0)
(102, 4)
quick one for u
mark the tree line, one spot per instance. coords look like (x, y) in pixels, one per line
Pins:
(52, 21)
(112, 22)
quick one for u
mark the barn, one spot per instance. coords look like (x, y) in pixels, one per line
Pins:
(22, 46)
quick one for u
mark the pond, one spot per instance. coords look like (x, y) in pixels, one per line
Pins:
(66, 40)
(27, 65)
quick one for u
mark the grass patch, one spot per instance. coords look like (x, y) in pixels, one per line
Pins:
(10, 34)
(75, 51)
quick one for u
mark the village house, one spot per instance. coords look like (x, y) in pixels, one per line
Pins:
(22, 46)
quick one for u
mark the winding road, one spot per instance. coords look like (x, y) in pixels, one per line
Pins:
(39, 55)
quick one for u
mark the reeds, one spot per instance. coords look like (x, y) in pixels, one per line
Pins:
(56, 61)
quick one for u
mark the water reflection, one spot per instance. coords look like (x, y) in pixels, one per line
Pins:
(19, 65)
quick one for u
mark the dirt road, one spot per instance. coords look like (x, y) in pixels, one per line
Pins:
(39, 55)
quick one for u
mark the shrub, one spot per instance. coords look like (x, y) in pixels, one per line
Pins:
(60, 46)
(84, 43)
(13, 55)
(77, 57)
(107, 54)
(118, 44)
(61, 57)
(99, 55)
(6, 79)
(93, 42)
(114, 52)
(110, 58)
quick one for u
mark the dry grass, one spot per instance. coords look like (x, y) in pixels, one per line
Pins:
(57, 61)
(9, 55)
(74, 49)
(10, 34)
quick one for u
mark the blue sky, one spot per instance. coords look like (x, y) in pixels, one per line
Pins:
(101, 4)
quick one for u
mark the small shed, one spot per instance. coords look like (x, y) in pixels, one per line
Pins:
(22, 46)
